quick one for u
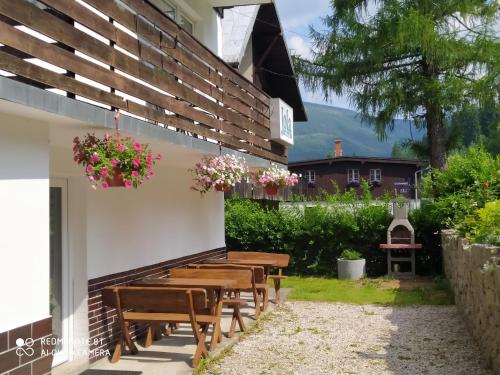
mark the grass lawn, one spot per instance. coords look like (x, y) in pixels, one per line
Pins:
(421, 291)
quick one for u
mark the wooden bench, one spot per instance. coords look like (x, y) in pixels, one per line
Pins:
(243, 279)
(215, 289)
(155, 305)
(259, 278)
(281, 261)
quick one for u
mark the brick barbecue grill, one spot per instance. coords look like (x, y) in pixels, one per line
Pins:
(400, 244)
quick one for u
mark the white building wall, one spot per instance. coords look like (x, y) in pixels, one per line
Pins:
(24, 221)
(161, 220)
(206, 26)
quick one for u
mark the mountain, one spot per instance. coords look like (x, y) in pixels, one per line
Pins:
(315, 138)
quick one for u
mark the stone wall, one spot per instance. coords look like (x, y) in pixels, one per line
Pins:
(473, 271)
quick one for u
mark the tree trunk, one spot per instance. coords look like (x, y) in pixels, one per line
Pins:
(436, 136)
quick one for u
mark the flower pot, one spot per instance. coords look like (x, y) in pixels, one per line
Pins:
(271, 189)
(351, 269)
(115, 179)
(221, 187)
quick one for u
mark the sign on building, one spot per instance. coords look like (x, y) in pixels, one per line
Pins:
(281, 122)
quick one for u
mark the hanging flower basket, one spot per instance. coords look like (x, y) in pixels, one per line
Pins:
(115, 178)
(221, 187)
(221, 172)
(114, 161)
(272, 178)
(271, 189)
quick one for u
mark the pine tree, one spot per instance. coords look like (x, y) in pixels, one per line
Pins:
(417, 59)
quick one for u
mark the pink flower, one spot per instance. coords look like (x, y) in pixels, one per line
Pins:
(128, 184)
(114, 162)
(158, 157)
(135, 174)
(137, 146)
(94, 158)
(151, 173)
(89, 168)
(119, 146)
(104, 185)
(136, 162)
(107, 136)
(104, 172)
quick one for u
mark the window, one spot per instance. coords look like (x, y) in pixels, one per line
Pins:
(310, 176)
(165, 8)
(353, 176)
(375, 175)
(186, 24)
(174, 13)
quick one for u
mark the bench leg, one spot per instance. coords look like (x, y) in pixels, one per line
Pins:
(237, 318)
(166, 330)
(277, 287)
(265, 294)
(128, 340)
(232, 327)
(149, 337)
(216, 335)
(118, 351)
(240, 321)
(256, 299)
(201, 349)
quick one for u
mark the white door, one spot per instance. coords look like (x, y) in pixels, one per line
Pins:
(59, 269)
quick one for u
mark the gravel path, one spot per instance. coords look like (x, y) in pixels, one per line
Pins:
(331, 338)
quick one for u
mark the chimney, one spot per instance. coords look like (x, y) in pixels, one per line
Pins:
(338, 148)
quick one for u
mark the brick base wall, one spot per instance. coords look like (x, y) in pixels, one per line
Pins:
(34, 358)
(103, 325)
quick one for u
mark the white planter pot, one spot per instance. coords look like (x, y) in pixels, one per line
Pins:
(351, 269)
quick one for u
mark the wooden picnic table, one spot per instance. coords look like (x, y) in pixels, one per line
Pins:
(215, 288)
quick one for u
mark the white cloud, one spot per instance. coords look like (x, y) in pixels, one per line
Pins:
(299, 46)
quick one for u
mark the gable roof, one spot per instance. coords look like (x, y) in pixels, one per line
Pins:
(275, 72)
(237, 26)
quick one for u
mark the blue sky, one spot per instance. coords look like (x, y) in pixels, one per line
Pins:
(296, 16)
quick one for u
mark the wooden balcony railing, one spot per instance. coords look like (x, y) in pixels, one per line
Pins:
(126, 55)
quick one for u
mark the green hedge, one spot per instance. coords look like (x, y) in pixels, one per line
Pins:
(315, 237)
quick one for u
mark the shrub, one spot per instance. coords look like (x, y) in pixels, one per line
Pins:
(471, 179)
(350, 254)
(484, 225)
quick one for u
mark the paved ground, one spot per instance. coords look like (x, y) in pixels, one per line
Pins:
(168, 356)
(331, 338)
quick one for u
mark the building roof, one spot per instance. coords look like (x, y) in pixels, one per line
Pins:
(361, 159)
(275, 71)
(237, 26)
